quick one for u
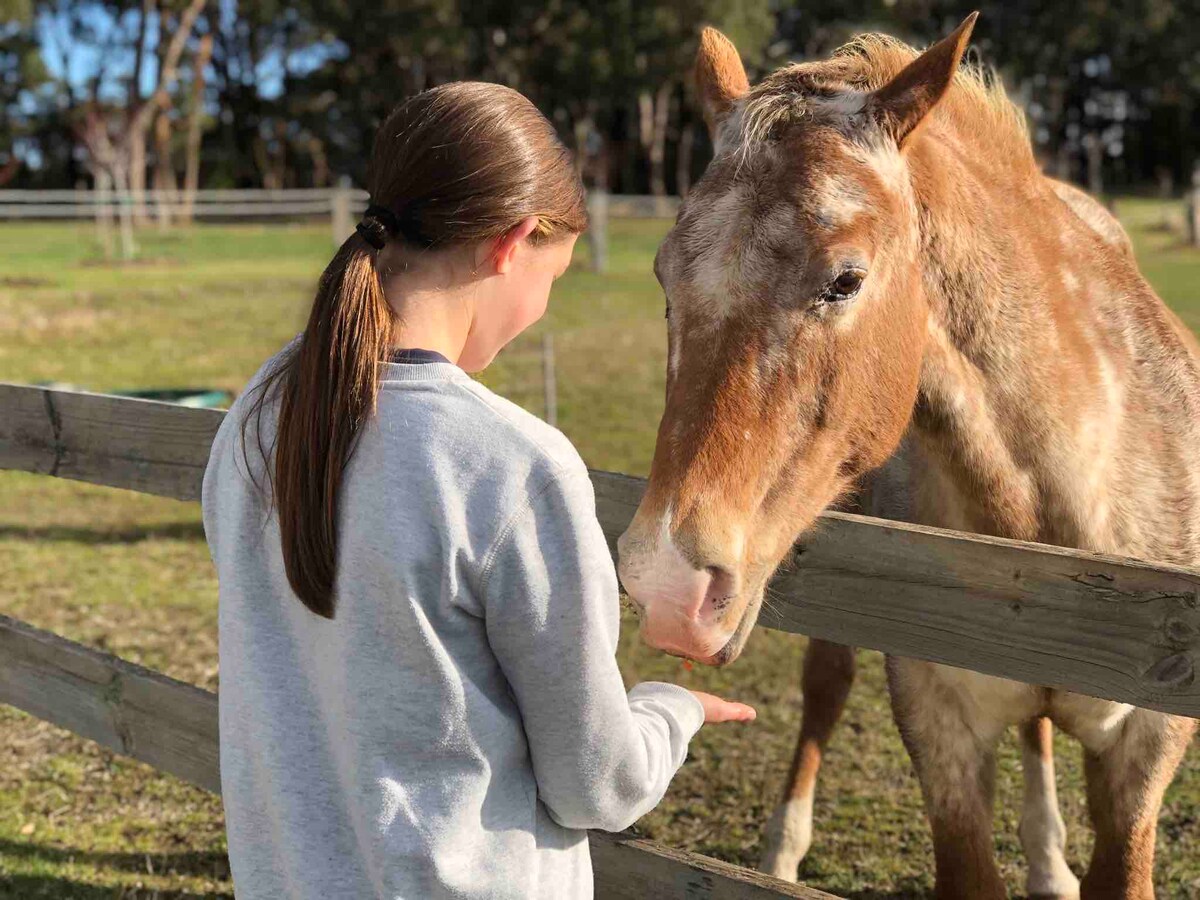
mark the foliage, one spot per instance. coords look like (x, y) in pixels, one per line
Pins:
(21, 71)
(296, 90)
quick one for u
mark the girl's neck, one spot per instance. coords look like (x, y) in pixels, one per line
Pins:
(434, 295)
(439, 320)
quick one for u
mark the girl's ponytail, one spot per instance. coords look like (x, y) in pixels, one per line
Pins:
(457, 164)
(326, 395)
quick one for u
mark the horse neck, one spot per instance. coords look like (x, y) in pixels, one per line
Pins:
(1021, 366)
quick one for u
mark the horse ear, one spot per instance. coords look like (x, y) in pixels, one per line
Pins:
(720, 76)
(902, 103)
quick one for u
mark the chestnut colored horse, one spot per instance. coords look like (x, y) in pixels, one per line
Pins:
(874, 292)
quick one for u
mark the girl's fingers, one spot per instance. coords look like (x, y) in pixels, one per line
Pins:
(735, 712)
(719, 710)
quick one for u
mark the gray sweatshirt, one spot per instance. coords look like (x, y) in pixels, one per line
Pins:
(461, 720)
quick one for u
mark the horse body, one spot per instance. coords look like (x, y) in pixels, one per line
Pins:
(875, 287)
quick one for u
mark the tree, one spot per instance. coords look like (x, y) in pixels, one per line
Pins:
(191, 178)
(22, 75)
(110, 116)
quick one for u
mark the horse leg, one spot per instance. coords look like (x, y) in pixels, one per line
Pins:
(1042, 832)
(951, 741)
(828, 674)
(1128, 767)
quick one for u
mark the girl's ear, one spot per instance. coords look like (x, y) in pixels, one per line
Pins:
(509, 242)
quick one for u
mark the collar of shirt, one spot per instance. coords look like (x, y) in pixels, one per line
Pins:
(416, 356)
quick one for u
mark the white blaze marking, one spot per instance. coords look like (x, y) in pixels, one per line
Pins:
(885, 158)
(713, 247)
(839, 201)
(847, 104)
(728, 251)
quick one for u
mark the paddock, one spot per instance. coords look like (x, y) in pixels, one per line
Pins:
(128, 573)
(1110, 627)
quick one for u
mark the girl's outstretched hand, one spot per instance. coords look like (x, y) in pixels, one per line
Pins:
(718, 710)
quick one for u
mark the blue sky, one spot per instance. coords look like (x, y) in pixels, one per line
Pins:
(84, 57)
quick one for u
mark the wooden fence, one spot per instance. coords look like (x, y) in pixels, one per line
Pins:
(252, 202)
(1101, 625)
(342, 205)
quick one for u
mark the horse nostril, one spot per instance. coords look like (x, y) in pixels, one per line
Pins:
(723, 587)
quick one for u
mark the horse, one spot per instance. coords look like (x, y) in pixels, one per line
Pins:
(874, 293)
(828, 675)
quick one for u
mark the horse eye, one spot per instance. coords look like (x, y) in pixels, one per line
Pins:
(847, 284)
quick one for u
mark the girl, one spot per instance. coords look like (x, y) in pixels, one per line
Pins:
(418, 612)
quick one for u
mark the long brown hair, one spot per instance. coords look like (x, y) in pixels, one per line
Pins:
(457, 164)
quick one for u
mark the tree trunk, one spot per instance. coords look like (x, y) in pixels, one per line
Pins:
(1062, 162)
(1095, 164)
(137, 175)
(142, 117)
(191, 172)
(658, 139)
(281, 156)
(262, 157)
(645, 105)
(683, 158)
(165, 186)
(320, 173)
(137, 137)
(1056, 94)
(104, 215)
(10, 169)
(120, 177)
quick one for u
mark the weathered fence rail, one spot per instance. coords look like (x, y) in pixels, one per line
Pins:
(342, 205)
(221, 203)
(249, 204)
(173, 726)
(1106, 626)
(1102, 625)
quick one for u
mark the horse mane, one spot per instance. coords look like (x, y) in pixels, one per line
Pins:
(976, 103)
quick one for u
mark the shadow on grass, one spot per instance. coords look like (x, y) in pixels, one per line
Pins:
(206, 864)
(32, 887)
(174, 531)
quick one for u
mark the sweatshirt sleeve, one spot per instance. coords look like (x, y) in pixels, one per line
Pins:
(602, 758)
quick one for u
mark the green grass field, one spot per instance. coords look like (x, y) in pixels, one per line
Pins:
(131, 574)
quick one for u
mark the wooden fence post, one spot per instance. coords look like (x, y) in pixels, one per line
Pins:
(1166, 189)
(102, 198)
(125, 218)
(598, 229)
(1193, 209)
(339, 209)
(549, 379)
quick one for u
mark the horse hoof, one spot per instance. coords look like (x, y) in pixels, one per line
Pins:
(1059, 883)
(789, 835)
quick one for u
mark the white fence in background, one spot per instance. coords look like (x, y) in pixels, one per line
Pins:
(342, 205)
(67, 204)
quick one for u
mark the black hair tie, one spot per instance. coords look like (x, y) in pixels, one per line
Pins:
(377, 224)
